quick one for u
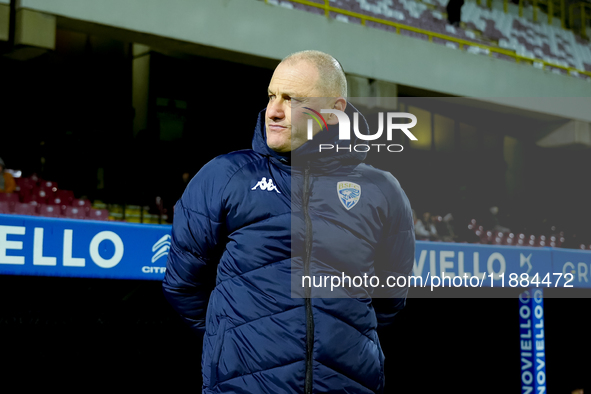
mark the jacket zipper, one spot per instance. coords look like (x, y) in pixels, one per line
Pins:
(308, 290)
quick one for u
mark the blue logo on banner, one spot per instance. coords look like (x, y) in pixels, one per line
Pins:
(531, 339)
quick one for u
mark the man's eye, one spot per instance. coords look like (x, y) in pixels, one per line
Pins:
(271, 97)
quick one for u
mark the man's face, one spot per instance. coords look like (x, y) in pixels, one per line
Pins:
(292, 87)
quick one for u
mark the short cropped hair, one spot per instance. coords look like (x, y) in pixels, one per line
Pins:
(332, 80)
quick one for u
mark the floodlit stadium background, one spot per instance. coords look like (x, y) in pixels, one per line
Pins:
(112, 101)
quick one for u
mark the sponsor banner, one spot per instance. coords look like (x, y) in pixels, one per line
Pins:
(573, 262)
(80, 248)
(95, 249)
(493, 265)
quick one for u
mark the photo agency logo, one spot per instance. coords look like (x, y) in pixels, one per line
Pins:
(345, 130)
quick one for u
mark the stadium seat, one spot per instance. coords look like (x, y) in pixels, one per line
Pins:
(75, 212)
(10, 198)
(531, 240)
(5, 207)
(480, 24)
(25, 183)
(541, 241)
(67, 196)
(23, 189)
(98, 214)
(51, 211)
(28, 198)
(84, 204)
(499, 238)
(509, 239)
(39, 195)
(49, 186)
(25, 209)
(487, 237)
(35, 178)
(56, 201)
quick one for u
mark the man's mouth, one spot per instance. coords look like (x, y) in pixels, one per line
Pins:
(276, 127)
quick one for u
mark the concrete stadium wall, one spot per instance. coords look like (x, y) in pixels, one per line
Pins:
(253, 28)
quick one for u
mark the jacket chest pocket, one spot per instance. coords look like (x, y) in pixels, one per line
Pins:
(217, 351)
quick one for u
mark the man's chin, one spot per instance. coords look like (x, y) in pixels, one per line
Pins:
(279, 148)
(278, 144)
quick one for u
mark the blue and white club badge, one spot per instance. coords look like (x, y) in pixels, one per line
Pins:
(349, 193)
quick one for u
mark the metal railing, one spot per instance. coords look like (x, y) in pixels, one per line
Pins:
(552, 7)
(430, 35)
(584, 14)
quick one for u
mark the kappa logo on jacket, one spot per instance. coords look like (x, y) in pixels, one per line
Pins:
(268, 186)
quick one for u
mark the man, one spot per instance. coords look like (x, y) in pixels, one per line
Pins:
(454, 12)
(7, 183)
(260, 216)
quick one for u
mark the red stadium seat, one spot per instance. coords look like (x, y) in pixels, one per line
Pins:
(541, 241)
(5, 207)
(51, 211)
(509, 239)
(487, 237)
(10, 198)
(35, 179)
(25, 209)
(75, 213)
(40, 195)
(56, 201)
(27, 199)
(25, 183)
(98, 214)
(84, 204)
(48, 185)
(67, 196)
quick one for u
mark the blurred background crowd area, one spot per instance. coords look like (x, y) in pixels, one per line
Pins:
(105, 123)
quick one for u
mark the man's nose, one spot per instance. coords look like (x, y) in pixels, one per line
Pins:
(275, 109)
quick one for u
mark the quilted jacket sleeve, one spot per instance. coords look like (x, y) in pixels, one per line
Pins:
(395, 256)
(198, 239)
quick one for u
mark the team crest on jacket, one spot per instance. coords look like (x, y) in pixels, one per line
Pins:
(349, 193)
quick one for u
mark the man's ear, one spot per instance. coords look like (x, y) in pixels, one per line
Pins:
(340, 104)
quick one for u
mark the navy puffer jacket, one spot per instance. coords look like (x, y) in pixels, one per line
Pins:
(249, 218)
